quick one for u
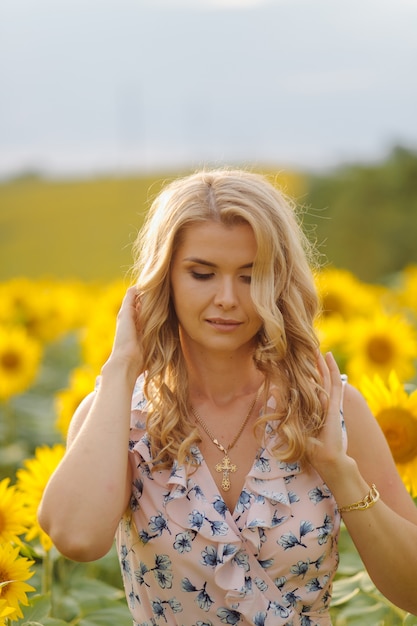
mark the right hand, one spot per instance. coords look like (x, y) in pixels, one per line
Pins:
(127, 344)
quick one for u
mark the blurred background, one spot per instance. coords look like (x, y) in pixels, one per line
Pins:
(103, 100)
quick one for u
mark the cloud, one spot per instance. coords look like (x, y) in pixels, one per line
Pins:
(332, 81)
(210, 4)
(147, 81)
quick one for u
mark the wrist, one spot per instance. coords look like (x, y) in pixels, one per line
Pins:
(364, 503)
(345, 481)
(120, 369)
(335, 470)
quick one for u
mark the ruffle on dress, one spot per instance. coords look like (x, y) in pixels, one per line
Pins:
(235, 540)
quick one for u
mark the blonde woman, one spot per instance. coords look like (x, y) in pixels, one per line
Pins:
(220, 447)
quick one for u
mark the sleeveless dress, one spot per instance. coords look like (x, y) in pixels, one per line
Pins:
(187, 560)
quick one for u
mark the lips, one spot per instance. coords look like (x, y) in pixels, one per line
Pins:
(221, 323)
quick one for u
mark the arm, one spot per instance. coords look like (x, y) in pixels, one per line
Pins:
(385, 534)
(89, 491)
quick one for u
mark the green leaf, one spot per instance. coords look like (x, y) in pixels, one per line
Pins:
(66, 607)
(87, 595)
(110, 616)
(47, 621)
(344, 589)
(38, 609)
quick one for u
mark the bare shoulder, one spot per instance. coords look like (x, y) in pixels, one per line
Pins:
(368, 446)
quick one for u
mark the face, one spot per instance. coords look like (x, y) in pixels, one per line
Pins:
(210, 282)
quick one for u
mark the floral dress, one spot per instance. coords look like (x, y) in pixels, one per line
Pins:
(187, 560)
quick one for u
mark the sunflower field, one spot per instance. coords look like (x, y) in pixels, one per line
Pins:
(54, 337)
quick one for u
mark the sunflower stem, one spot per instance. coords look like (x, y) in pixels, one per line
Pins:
(47, 576)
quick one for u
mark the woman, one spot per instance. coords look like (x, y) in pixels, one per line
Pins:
(245, 445)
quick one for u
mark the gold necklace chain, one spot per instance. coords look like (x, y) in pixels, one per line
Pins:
(226, 466)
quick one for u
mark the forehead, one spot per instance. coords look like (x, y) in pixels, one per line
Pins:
(218, 240)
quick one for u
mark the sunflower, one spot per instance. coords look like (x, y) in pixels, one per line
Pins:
(406, 291)
(31, 483)
(46, 308)
(14, 570)
(82, 382)
(20, 357)
(59, 307)
(396, 412)
(5, 611)
(97, 339)
(15, 295)
(342, 294)
(331, 331)
(12, 513)
(379, 344)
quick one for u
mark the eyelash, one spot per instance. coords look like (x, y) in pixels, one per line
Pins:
(199, 276)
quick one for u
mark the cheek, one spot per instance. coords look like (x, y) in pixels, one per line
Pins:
(258, 325)
(182, 299)
(173, 302)
(255, 317)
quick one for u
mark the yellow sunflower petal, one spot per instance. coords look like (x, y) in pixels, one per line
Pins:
(31, 483)
(14, 571)
(13, 516)
(341, 293)
(20, 357)
(380, 344)
(82, 382)
(5, 611)
(396, 412)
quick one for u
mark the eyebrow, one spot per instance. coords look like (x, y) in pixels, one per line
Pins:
(198, 261)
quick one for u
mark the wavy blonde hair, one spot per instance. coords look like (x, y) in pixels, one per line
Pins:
(283, 293)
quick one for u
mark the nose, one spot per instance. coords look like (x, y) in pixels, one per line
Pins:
(226, 296)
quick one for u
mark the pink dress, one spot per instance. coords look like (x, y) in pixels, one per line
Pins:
(187, 560)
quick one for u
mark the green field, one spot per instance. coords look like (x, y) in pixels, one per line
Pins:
(78, 229)
(67, 229)
(363, 216)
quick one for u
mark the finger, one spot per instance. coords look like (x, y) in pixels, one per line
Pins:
(131, 296)
(333, 370)
(128, 311)
(324, 390)
(323, 370)
(335, 383)
(131, 302)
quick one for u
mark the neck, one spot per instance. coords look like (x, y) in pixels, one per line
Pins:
(222, 382)
(220, 376)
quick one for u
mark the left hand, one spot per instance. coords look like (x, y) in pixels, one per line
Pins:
(327, 448)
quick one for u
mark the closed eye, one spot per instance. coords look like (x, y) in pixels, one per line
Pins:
(201, 275)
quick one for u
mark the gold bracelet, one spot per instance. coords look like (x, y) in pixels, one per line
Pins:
(369, 500)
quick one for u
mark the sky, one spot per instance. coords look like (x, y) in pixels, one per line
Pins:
(93, 86)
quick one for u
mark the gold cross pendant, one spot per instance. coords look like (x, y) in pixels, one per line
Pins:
(226, 466)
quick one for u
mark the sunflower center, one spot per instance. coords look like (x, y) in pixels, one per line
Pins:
(10, 360)
(400, 430)
(380, 350)
(332, 304)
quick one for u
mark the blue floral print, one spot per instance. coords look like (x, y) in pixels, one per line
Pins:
(187, 560)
